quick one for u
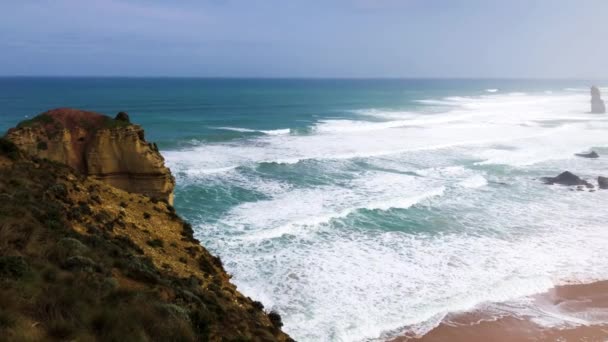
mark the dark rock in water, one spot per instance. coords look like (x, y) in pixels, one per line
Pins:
(597, 104)
(122, 116)
(591, 154)
(602, 182)
(567, 178)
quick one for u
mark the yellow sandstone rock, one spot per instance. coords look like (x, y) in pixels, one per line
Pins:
(111, 150)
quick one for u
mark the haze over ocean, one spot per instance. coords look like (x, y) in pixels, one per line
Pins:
(357, 208)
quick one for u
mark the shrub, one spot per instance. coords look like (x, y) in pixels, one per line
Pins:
(201, 320)
(9, 149)
(275, 319)
(156, 243)
(61, 330)
(42, 145)
(13, 266)
(139, 268)
(122, 116)
(209, 263)
(67, 247)
(188, 233)
(103, 216)
(258, 305)
(59, 190)
(6, 319)
(80, 263)
(126, 243)
(95, 198)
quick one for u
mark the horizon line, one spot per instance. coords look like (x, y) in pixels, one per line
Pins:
(309, 77)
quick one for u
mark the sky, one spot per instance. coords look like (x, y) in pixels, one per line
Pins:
(305, 38)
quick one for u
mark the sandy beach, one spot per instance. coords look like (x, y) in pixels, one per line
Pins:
(587, 302)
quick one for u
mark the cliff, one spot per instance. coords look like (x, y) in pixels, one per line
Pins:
(111, 150)
(84, 261)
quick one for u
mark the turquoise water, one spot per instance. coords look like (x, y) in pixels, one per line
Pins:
(360, 209)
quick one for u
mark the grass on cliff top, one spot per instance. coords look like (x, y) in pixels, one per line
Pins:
(46, 120)
(113, 123)
(59, 284)
(42, 119)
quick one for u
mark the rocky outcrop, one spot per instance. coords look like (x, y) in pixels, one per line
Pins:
(602, 182)
(597, 104)
(111, 150)
(84, 261)
(567, 178)
(591, 155)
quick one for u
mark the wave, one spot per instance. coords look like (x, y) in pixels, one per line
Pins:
(357, 285)
(314, 223)
(321, 243)
(283, 131)
(493, 90)
(474, 182)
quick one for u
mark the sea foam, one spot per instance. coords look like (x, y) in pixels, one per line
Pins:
(328, 241)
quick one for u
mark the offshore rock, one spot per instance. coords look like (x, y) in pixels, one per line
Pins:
(597, 104)
(567, 178)
(111, 150)
(591, 155)
(602, 182)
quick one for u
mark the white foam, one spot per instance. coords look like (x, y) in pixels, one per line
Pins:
(248, 130)
(303, 211)
(298, 250)
(492, 90)
(473, 182)
(352, 285)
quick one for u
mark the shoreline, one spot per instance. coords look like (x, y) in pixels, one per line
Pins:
(584, 308)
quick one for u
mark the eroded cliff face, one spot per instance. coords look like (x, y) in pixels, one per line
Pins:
(84, 261)
(111, 150)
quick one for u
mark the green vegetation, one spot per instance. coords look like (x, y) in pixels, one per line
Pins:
(59, 283)
(156, 243)
(39, 119)
(42, 145)
(276, 319)
(112, 123)
(9, 149)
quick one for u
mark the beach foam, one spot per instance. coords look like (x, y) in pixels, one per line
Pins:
(388, 219)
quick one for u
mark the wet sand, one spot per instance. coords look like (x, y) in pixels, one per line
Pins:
(588, 302)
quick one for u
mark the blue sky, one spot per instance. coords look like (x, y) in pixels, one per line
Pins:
(305, 38)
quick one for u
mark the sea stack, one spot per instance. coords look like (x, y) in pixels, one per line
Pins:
(597, 104)
(110, 150)
(602, 182)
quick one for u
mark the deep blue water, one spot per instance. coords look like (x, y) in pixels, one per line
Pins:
(174, 110)
(360, 208)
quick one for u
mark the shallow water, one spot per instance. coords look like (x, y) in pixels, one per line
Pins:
(358, 208)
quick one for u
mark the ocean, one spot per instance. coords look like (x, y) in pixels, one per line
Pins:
(365, 209)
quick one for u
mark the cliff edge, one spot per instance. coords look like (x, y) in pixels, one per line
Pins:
(110, 150)
(81, 260)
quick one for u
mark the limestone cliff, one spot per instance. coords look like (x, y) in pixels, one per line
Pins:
(84, 261)
(111, 150)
